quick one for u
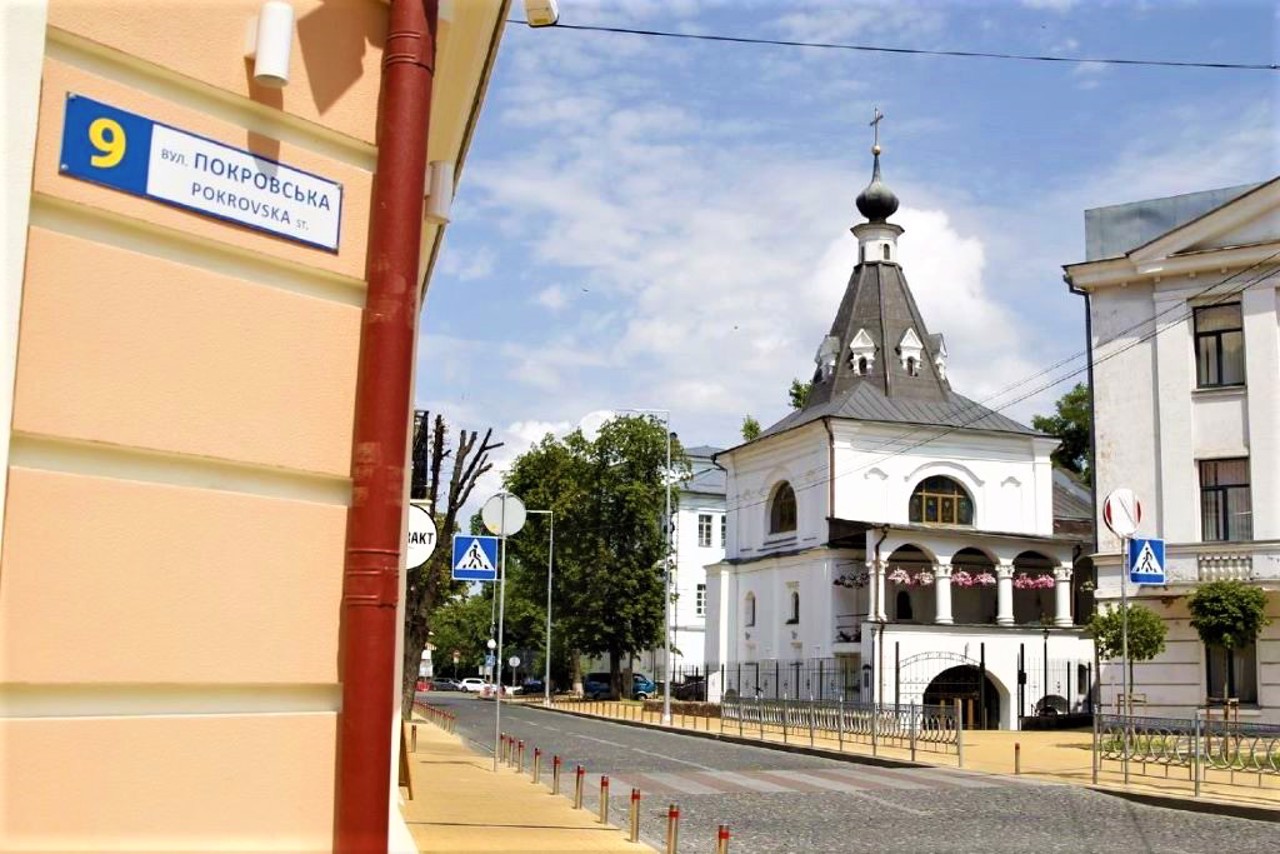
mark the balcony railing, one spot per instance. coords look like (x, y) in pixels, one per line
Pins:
(1223, 566)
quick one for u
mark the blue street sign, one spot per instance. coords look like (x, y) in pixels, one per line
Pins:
(475, 558)
(1146, 561)
(490, 660)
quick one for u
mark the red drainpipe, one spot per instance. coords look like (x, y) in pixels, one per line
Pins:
(370, 580)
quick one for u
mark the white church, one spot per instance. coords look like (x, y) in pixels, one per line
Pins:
(893, 541)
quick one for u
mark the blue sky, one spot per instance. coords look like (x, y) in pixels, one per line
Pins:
(648, 222)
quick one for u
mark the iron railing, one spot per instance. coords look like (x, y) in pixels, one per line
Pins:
(908, 726)
(1214, 751)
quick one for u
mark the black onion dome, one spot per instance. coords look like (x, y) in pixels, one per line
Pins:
(877, 202)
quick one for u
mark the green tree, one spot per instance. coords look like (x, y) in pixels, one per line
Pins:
(1230, 615)
(608, 495)
(750, 428)
(1146, 634)
(798, 393)
(443, 477)
(1072, 424)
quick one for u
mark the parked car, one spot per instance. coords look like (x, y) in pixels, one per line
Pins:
(473, 684)
(532, 685)
(597, 686)
(692, 689)
(445, 684)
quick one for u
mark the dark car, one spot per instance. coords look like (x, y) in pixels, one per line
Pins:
(532, 685)
(692, 689)
(441, 684)
(597, 686)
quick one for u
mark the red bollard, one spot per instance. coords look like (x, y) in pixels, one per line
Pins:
(520, 756)
(635, 815)
(537, 765)
(673, 828)
(577, 787)
(555, 775)
(722, 840)
(604, 799)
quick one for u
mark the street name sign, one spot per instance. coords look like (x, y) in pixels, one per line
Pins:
(475, 558)
(1122, 512)
(1146, 561)
(142, 157)
(422, 536)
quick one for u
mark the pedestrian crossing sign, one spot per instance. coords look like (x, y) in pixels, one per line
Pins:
(1146, 561)
(475, 558)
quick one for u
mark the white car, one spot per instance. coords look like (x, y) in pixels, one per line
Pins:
(473, 685)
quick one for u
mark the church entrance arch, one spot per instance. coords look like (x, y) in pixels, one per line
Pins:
(979, 709)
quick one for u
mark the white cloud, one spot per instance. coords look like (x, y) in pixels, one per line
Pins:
(473, 263)
(1059, 6)
(551, 297)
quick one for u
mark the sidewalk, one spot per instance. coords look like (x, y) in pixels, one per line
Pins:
(1064, 756)
(460, 804)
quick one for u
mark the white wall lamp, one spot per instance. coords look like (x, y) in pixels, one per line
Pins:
(439, 191)
(269, 42)
(541, 13)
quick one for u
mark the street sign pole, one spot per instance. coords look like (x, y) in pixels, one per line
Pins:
(502, 607)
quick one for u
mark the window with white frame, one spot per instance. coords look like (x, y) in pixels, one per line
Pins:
(704, 530)
(700, 601)
(724, 530)
(782, 509)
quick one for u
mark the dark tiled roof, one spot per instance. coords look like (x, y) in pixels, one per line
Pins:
(1071, 499)
(707, 482)
(865, 402)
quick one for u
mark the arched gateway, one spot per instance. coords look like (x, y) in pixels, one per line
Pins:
(980, 709)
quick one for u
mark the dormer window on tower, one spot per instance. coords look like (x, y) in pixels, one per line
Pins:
(862, 353)
(909, 350)
(825, 358)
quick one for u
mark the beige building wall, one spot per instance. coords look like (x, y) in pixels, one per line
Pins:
(176, 461)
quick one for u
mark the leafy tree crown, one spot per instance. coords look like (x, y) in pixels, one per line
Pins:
(1229, 614)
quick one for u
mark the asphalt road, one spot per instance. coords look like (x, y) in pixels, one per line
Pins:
(777, 802)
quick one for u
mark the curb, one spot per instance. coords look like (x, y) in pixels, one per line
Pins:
(1174, 802)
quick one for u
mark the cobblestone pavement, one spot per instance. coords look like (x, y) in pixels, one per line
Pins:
(781, 802)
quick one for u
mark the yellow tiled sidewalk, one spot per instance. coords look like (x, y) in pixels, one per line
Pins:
(460, 804)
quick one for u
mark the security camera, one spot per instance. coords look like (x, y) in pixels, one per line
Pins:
(541, 13)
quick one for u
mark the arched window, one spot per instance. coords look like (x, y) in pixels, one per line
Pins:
(795, 607)
(941, 500)
(749, 610)
(862, 366)
(782, 510)
(885, 248)
(913, 367)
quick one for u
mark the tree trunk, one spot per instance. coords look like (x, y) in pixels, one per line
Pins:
(575, 672)
(615, 674)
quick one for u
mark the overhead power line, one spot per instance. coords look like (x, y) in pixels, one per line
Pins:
(916, 51)
(1185, 310)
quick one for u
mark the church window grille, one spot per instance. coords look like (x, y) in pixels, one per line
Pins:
(940, 500)
(782, 510)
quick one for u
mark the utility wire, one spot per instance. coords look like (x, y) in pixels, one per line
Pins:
(1187, 311)
(964, 54)
(988, 401)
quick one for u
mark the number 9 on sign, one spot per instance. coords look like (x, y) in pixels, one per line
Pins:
(108, 137)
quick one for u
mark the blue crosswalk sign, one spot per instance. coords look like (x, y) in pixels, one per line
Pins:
(1146, 561)
(475, 558)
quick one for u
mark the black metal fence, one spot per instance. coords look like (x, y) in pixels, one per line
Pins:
(811, 678)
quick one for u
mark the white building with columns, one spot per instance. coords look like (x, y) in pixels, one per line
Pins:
(893, 541)
(1182, 299)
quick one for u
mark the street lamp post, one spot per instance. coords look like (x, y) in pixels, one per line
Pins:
(1044, 703)
(551, 550)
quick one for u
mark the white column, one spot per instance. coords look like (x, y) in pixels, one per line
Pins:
(942, 594)
(877, 609)
(1004, 593)
(1062, 596)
